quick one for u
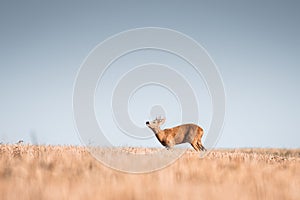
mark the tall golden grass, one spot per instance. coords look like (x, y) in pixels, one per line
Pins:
(69, 172)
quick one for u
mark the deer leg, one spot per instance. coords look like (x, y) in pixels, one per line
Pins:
(194, 145)
(200, 146)
(170, 143)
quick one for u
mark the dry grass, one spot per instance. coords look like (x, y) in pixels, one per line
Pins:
(66, 172)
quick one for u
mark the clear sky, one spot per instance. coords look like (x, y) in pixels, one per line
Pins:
(255, 44)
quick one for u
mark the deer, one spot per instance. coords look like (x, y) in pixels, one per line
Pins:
(186, 133)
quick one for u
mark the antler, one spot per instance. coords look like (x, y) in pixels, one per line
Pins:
(160, 118)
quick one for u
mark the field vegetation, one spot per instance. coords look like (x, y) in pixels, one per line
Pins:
(70, 172)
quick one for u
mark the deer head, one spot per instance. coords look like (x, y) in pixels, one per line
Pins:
(155, 124)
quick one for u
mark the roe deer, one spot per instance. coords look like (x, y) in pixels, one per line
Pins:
(186, 133)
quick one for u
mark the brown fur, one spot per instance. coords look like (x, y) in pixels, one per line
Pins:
(186, 133)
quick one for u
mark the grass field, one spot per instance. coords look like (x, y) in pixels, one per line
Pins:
(67, 172)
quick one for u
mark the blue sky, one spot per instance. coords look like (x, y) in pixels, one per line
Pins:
(255, 44)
